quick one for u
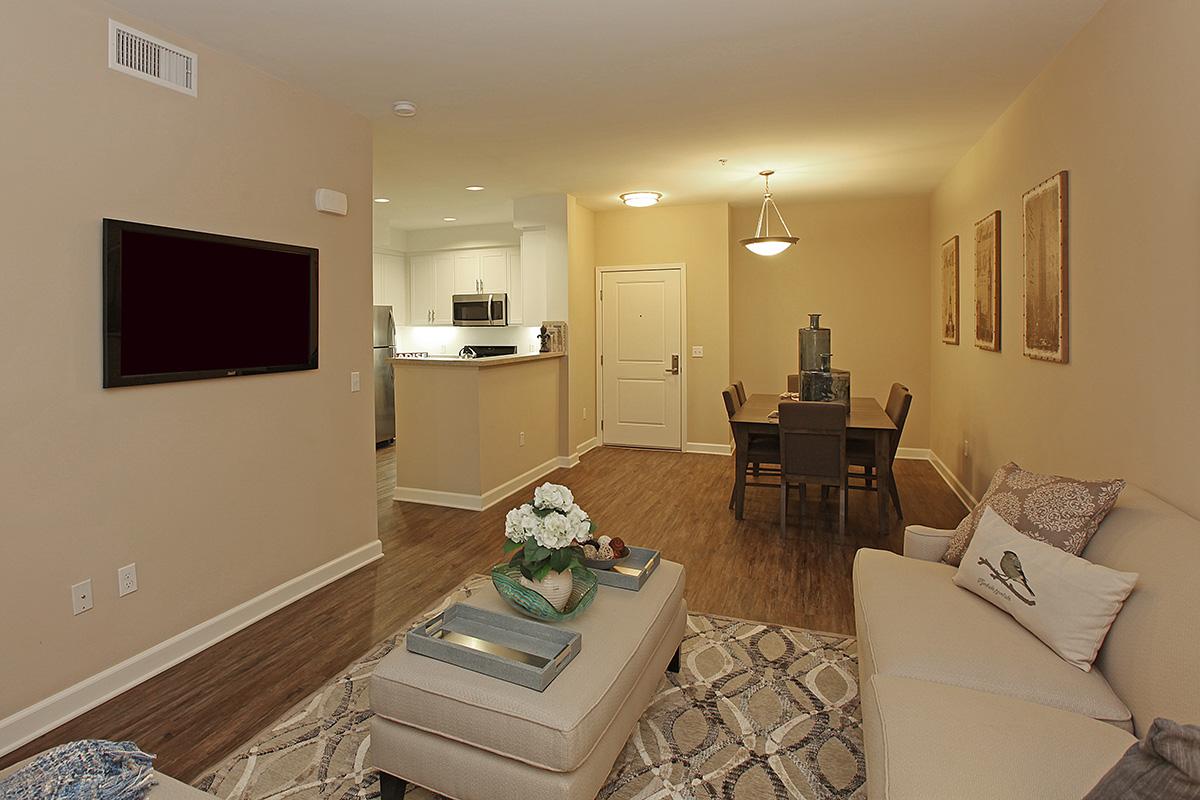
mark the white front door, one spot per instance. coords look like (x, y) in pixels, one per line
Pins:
(641, 358)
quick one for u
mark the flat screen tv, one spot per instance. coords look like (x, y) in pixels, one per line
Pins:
(181, 305)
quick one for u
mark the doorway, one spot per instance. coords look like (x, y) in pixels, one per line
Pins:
(640, 317)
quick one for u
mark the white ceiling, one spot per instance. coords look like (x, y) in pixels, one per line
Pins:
(598, 98)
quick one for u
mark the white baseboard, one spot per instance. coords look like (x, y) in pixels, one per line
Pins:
(590, 444)
(964, 494)
(479, 502)
(44, 716)
(915, 453)
(708, 447)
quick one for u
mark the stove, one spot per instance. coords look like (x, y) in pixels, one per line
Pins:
(491, 350)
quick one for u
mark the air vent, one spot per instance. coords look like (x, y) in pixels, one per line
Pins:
(143, 56)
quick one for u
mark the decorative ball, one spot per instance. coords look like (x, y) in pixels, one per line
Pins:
(618, 546)
(590, 551)
(603, 540)
(606, 552)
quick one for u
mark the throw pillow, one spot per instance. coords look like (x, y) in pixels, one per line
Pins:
(1164, 765)
(1060, 511)
(1063, 600)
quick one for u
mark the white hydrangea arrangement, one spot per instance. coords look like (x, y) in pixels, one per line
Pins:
(547, 534)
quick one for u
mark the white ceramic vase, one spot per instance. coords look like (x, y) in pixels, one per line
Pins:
(555, 587)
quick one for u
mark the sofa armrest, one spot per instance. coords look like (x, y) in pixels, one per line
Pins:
(926, 544)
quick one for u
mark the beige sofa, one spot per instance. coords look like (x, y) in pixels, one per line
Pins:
(960, 701)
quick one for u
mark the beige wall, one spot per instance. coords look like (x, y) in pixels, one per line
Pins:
(1119, 109)
(863, 265)
(581, 316)
(697, 235)
(218, 489)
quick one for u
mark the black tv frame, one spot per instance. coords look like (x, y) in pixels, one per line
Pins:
(113, 230)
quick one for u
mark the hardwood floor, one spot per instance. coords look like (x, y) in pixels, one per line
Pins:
(195, 713)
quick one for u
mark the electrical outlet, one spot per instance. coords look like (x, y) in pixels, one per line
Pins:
(522, 438)
(966, 449)
(355, 381)
(127, 580)
(81, 597)
(697, 351)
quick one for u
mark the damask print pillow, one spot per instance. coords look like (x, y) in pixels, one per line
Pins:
(1063, 512)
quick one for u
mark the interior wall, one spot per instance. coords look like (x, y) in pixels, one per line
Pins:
(581, 318)
(698, 236)
(460, 237)
(218, 489)
(1119, 109)
(863, 265)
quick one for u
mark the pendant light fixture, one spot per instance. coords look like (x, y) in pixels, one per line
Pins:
(762, 242)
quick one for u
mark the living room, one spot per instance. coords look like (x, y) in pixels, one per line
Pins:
(993, 206)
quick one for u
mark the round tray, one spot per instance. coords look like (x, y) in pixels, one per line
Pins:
(605, 563)
(507, 580)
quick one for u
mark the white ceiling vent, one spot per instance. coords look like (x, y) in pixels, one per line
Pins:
(143, 56)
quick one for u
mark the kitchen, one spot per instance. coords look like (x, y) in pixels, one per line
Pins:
(477, 395)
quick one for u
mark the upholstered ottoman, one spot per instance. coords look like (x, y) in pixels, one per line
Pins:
(472, 737)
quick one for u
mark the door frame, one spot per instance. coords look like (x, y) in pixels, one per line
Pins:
(681, 268)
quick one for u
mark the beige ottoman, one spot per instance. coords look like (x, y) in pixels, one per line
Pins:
(472, 737)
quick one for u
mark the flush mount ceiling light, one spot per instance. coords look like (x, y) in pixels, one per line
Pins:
(474, 188)
(404, 108)
(449, 219)
(382, 200)
(641, 199)
(762, 242)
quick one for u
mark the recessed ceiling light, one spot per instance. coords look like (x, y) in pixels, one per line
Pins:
(382, 200)
(404, 108)
(474, 188)
(449, 219)
(641, 199)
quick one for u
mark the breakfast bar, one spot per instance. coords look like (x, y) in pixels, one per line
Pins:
(469, 431)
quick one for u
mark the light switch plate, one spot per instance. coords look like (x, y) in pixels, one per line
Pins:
(81, 597)
(355, 382)
(697, 351)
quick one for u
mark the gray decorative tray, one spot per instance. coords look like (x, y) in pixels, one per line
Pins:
(512, 649)
(633, 572)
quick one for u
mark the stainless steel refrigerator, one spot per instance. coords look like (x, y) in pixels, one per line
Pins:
(384, 349)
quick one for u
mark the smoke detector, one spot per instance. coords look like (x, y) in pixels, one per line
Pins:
(404, 108)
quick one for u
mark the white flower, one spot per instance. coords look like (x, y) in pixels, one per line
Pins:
(554, 532)
(580, 525)
(513, 528)
(552, 495)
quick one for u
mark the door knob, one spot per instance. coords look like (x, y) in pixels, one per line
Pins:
(674, 370)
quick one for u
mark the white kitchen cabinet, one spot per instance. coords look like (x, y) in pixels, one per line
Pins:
(516, 296)
(493, 272)
(466, 272)
(534, 294)
(395, 287)
(431, 286)
(377, 279)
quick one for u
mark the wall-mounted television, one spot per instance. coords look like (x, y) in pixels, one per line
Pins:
(182, 305)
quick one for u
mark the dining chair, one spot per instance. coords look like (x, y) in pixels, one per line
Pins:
(812, 449)
(794, 383)
(762, 449)
(861, 453)
(741, 392)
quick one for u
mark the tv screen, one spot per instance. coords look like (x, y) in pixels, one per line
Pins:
(181, 305)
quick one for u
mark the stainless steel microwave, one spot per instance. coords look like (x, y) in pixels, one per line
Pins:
(480, 310)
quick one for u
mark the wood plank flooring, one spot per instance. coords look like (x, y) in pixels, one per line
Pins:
(197, 712)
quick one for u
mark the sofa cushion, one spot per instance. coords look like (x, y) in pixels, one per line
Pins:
(555, 729)
(1074, 602)
(926, 740)
(1064, 512)
(913, 622)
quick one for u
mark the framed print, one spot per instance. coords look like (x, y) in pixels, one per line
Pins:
(987, 282)
(1045, 283)
(950, 290)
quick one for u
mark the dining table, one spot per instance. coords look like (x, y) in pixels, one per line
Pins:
(866, 421)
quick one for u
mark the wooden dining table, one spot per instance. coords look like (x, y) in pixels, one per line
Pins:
(867, 421)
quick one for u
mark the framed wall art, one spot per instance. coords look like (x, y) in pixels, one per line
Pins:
(950, 290)
(987, 282)
(1045, 283)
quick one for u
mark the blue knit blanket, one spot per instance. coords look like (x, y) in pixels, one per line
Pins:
(92, 769)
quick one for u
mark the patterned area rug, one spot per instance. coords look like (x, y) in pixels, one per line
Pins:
(757, 711)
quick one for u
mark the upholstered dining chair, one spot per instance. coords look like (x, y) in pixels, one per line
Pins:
(812, 449)
(741, 392)
(762, 449)
(861, 453)
(794, 383)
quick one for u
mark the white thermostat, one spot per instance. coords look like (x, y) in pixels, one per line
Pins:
(332, 202)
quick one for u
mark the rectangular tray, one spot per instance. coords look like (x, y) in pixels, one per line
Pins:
(512, 649)
(633, 572)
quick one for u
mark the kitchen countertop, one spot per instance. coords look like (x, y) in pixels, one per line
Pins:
(491, 361)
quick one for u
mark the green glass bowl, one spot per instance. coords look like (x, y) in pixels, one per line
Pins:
(507, 580)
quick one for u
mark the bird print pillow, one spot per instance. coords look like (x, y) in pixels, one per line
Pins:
(1065, 601)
